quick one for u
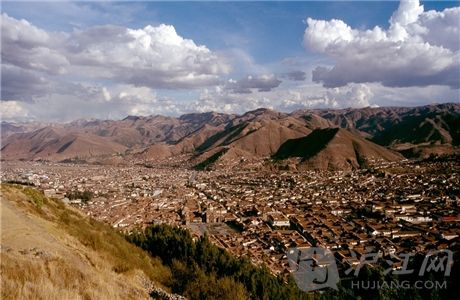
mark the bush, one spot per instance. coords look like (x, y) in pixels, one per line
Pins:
(84, 196)
(36, 196)
(201, 270)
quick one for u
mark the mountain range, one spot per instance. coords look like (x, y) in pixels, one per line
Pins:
(319, 139)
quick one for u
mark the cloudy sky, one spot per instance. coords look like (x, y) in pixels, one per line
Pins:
(65, 60)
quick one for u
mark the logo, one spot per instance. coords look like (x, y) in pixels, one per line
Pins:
(313, 268)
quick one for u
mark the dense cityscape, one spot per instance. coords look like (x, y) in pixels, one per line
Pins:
(230, 150)
(393, 208)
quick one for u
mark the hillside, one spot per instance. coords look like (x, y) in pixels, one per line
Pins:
(8, 128)
(253, 136)
(57, 144)
(185, 145)
(50, 251)
(414, 131)
(395, 125)
(334, 149)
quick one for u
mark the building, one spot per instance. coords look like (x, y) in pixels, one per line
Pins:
(277, 219)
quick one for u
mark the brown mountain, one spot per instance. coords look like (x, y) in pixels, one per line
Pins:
(334, 149)
(57, 144)
(229, 139)
(250, 137)
(134, 131)
(93, 138)
(395, 125)
(9, 128)
(185, 145)
(413, 131)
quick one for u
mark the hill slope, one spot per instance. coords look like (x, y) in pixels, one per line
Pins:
(394, 125)
(334, 149)
(49, 251)
(252, 136)
(414, 131)
(57, 144)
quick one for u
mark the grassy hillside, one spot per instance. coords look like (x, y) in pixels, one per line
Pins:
(50, 251)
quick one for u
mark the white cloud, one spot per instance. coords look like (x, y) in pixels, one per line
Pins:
(313, 96)
(13, 111)
(22, 84)
(222, 100)
(284, 99)
(49, 71)
(261, 83)
(28, 47)
(153, 56)
(407, 13)
(76, 101)
(112, 71)
(419, 49)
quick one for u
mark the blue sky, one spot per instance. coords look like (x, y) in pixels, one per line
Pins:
(260, 43)
(269, 30)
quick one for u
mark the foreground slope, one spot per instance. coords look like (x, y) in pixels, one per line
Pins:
(49, 251)
(335, 149)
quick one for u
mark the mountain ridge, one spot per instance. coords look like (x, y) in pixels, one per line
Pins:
(335, 149)
(254, 135)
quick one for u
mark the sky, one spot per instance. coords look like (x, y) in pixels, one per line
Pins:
(63, 61)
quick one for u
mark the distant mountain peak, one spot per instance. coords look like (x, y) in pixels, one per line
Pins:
(255, 134)
(132, 118)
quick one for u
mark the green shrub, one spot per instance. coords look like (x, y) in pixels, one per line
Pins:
(37, 197)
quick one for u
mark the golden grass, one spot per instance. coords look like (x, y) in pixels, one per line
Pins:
(92, 260)
(25, 278)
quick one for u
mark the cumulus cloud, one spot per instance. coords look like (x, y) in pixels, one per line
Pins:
(75, 101)
(13, 111)
(296, 75)
(100, 71)
(419, 48)
(28, 47)
(308, 95)
(352, 95)
(153, 56)
(22, 84)
(112, 71)
(261, 83)
(221, 100)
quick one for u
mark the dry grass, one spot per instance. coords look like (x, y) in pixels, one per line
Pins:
(50, 251)
(25, 278)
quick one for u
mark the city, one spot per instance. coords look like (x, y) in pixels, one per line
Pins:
(231, 150)
(392, 208)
